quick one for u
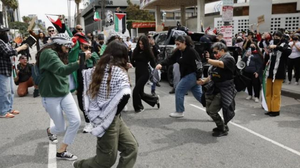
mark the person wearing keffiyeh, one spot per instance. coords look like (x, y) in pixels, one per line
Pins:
(106, 92)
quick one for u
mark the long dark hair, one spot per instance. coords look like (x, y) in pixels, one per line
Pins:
(116, 54)
(147, 50)
(187, 39)
(56, 47)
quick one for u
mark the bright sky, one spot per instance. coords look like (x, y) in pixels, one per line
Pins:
(42, 7)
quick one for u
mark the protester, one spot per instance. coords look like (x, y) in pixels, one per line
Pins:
(24, 79)
(276, 73)
(51, 33)
(6, 79)
(110, 39)
(186, 56)
(220, 89)
(98, 43)
(294, 59)
(85, 45)
(142, 58)
(108, 90)
(253, 70)
(264, 45)
(41, 40)
(56, 96)
(155, 51)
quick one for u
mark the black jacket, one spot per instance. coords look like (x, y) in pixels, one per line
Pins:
(186, 60)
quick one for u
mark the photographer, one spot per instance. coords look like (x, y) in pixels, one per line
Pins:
(219, 87)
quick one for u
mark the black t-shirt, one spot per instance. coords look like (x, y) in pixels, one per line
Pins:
(24, 72)
(222, 74)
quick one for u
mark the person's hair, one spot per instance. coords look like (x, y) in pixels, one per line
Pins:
(147, 50)
(56, 47)
(116, 54)
(219, 46)
(278, 33)
(258, 50)
(50, 27)
(112, 38)
(187, 39)
(43, 34)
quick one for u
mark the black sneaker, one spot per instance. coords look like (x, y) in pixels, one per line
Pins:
(172, 91)
(66, 156)
(36, 93)
(217, 129)
(158, 102)
(220, 133)
(52, 137)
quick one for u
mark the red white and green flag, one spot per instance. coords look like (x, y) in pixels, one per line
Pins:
(96, 16)
(120, 22)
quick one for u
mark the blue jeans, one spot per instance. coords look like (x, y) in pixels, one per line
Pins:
(189, 82)
(6, 94)
(55, 107)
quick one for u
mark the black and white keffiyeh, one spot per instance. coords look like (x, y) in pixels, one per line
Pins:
(102, 109)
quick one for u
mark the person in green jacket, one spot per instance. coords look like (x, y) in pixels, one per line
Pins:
(54, 68)
(85, 46)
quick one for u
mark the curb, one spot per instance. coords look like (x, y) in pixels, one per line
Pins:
(289, 93)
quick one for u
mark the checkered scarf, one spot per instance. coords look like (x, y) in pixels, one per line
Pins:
(102, 109)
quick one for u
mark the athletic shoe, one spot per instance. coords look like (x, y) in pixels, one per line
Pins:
(139, 111)
(52, 137)
(65, 156)
(176, 115)
(256, 100)
(249, 98)
(88, 128)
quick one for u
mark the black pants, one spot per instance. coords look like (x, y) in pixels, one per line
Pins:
(79, 94)
(255, 83)
(294, 64)
(139, 94)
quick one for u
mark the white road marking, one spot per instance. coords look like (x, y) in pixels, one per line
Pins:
(257, 134)
(52, 152)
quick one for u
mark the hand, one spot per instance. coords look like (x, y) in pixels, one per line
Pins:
(88, 54)
(200, 82)
(207, 56)
(129, 65)
(273, 46)
(158, 66)
(255, 74)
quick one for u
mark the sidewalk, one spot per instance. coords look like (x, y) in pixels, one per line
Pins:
(290, 90)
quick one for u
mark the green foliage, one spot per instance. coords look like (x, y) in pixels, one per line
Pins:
(134, 13)
(11, 3)
(26, 19)
(21, 26)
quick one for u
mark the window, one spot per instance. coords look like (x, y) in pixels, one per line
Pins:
(170, 15)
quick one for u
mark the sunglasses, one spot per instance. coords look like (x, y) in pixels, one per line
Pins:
(80, 29)
(50, 30)
(215, 52)
(87, 47)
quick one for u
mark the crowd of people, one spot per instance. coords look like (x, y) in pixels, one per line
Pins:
(96, 69)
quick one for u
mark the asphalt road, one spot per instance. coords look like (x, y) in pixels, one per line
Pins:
(254, 141)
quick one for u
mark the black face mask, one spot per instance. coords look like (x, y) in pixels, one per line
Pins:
(4, 37)
(101, 42)
(276, 41)
(295, 39)
(253, 49)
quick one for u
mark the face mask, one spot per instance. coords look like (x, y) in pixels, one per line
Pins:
(276, 41)
(101, 42)
(295, 39)
(253, 49)
(4, 37)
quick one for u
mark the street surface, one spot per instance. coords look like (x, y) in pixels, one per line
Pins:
(254, 141)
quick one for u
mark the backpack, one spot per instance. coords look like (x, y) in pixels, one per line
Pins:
(36, 75)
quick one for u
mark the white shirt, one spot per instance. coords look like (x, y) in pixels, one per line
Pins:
(295, 52)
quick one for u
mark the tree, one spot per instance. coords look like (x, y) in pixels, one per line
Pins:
(13, 4)
(134, 13)
(21, 26)
(78, 16)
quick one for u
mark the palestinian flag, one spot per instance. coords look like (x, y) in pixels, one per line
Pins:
(57, 24)
(263, 91)
(120, 19)
(96, 17)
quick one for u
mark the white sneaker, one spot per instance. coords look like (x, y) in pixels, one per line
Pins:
(296, 83)
(249, 98)
(256, 99)
(88, 128)
(176, 115)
